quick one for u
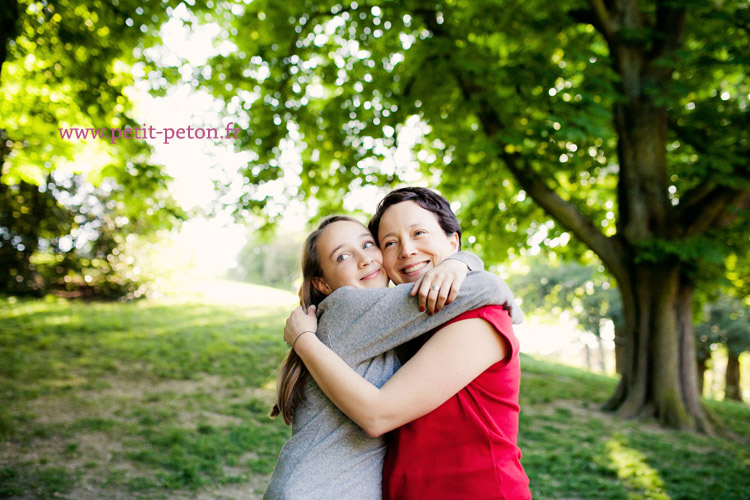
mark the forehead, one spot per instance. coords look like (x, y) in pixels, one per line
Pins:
(341, 232)
(404, 214)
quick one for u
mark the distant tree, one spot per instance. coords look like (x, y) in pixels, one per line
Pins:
(727, 321)
(583, 291)
(273, 263)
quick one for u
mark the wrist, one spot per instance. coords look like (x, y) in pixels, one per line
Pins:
(300, 335)
(456, 263)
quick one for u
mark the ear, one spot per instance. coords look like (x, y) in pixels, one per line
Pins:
(453, 241)
(321, 286)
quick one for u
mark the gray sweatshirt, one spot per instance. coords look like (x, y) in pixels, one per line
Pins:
(328, 455)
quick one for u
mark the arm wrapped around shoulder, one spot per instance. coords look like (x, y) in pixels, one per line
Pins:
(498, 292)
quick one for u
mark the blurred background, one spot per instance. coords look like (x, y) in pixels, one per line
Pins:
(596, 155)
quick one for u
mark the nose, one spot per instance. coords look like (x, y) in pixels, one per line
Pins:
(407, 249)
(364, 260)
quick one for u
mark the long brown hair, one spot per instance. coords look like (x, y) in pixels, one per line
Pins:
(293, 373)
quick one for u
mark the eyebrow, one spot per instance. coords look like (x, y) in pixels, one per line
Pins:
(391, 233)
(363, 235)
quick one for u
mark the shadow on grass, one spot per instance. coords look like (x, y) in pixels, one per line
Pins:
(572, 449)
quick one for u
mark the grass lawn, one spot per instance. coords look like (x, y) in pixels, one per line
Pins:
(168, 399)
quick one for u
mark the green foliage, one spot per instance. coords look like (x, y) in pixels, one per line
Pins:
(70, 65)
(346, 83)
(68, 236)
(689, 250)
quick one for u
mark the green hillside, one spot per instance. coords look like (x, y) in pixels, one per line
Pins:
(168, 399)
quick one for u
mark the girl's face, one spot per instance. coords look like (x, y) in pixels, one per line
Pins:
(412, 242)
(349, 256)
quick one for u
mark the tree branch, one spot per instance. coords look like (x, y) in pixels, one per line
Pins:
(604, 21)
(670, 21)
(705, 205)
(610, 250)
(741, 203)
(695, 197)
(709, 209)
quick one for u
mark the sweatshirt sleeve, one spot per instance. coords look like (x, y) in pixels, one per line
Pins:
(359, 324)
(473, 262)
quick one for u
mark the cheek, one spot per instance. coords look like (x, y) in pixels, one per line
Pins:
(389, 259)
(390, 265)
(332, 275)
(439, 248)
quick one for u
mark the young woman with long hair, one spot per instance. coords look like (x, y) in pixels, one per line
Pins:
(328, 456)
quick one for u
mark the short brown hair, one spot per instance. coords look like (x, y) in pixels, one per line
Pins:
(425, 198)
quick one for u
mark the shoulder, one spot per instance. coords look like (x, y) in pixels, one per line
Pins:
(493, 314)
(500, 321)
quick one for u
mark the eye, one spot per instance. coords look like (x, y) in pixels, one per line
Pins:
(388, 243)
(420, 232)
(368, 244)
(342, 257)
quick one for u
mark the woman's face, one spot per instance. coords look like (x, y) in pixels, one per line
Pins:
(412, 241)
(349, 256)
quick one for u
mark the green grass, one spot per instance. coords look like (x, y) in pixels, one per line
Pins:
(574, 450)
(168, 399)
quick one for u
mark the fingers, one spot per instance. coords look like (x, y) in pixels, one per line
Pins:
(424, 295)
(455, 288)
(434, 295)
(434, 292)
(448, 292)
(299, 320)
(441, 296)
(415, 288)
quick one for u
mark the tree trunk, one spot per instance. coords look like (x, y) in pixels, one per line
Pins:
(8, 20)
(619, 347)
(657, 356)
(732, 378)
(701, 367)
(602, 356)
(659, 376)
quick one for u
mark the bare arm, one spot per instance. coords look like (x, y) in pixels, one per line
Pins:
(441, 368)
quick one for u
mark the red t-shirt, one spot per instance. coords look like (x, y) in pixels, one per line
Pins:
(466, 448)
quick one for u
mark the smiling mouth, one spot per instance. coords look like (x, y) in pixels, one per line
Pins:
(371, 276)
(415, 267)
